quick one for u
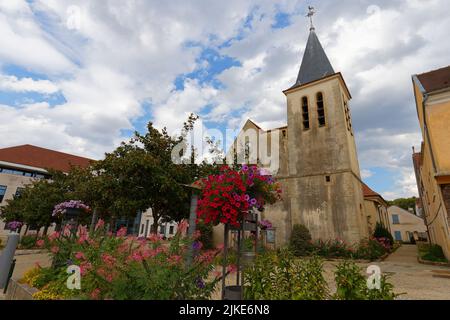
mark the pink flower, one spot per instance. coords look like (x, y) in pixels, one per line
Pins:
(232, 268)
(40, 243)
(175, 259)
(155, 237)
(108, 259)
(54, 249)
(99, 224)
(85, 267)
(122, 232)
(183, 226)
(95, 294)
(136, 256)
(220, 247)
(80, 256)
(54, 235)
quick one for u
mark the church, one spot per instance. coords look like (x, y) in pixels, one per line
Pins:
(317, 163)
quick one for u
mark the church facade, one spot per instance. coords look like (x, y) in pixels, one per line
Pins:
(316, 153)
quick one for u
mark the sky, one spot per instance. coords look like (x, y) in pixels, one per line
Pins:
(82, 76)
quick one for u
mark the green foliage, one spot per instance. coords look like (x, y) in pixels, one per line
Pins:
(280, 276)
(382, 232)
(431, 252)
(404, 203)
(351, 284)
(206, 235)
(300, 242)
(370, 249)
(28, 241)
(117, 267)
(332, 249)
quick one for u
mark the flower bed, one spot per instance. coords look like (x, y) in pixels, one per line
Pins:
(120, 267)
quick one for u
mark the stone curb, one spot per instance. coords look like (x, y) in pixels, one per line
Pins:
(30, 251)
(433, 263)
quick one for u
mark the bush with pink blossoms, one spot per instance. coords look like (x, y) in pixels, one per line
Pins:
(120, 267)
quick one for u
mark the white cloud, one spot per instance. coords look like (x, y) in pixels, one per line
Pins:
(365, 173)
(12, 83)
(127, 53)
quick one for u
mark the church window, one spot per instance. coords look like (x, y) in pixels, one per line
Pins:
(328, 179)
(305, 113)
(320, 109)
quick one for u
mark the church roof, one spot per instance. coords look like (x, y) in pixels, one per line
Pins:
(315, 64)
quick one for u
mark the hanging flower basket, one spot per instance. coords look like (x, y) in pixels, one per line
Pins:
(229, 196)
(70, 209)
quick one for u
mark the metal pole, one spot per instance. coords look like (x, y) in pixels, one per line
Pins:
(225, 258)
(93, 221)
(192, 225)
(7, 257)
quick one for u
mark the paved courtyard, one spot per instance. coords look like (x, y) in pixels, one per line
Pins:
(417, 281)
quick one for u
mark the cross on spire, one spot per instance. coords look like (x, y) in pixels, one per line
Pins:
(310, 14)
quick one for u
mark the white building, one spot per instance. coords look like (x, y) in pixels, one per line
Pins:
(166, 229)
(406, 225)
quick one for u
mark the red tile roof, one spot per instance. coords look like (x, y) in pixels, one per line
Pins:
(435, 80)
(42, 158)
(367, 192)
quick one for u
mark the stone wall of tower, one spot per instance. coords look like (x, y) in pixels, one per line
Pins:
(324, 184)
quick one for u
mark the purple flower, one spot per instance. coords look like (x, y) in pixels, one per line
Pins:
(14, 225)
(196, 245)
(247, 197)
(245, 168)
(60, 209)
(253, 201)
(200, 283)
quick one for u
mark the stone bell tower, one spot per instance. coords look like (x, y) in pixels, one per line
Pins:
(324, 184)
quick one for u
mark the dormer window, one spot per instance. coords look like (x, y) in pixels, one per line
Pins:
(320, 109)
(305, 113)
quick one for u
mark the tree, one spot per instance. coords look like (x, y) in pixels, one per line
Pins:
(35, 204)
(404, 203)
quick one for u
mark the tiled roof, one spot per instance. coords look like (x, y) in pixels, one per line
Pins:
(42, 158)
(367, 192)
(315, 64)
(435, 80)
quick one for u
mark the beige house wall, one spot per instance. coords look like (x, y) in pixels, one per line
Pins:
(408, 223)
(435, 164)
(376, 211)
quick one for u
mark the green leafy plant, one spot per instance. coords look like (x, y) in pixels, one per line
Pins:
(333, 249)
(370, 249)
(119, 267)
(382, 232)
(28, 241)
(351, 284)
(300, 242)
(431, 252)
(280, 276)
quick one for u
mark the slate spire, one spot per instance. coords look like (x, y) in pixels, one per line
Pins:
(315, 64)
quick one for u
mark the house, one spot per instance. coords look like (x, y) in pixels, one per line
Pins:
(21, 165)
(406, 226)
(432, 162)
(375, 208)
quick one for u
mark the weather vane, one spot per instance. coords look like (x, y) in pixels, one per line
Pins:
(310, 14)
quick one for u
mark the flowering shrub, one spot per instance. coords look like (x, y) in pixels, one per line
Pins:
(13, 225)
(336, 248)
(265, 224)
(61, 208)
(120, 267)
(226, 197)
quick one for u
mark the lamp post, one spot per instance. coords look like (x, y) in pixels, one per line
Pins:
(195, 187)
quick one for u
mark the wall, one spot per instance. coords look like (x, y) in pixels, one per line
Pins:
(408, 223)
(12, 182)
